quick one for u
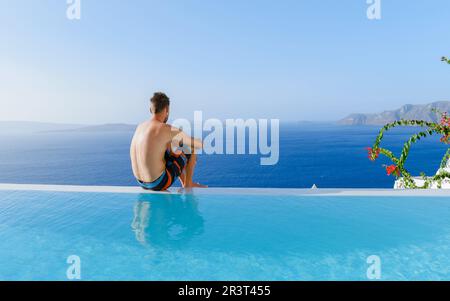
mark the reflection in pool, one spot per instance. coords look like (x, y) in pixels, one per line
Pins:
(166, 223)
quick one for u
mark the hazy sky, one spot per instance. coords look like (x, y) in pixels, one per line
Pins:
(293, 60)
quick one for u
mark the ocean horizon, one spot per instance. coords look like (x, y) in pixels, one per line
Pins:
(322, 154)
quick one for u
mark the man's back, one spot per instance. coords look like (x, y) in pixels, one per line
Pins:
(154, 167)
(147, 150)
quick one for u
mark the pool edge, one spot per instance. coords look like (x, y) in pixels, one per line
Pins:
(227, 191)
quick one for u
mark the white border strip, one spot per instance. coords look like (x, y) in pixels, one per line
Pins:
(229, 191)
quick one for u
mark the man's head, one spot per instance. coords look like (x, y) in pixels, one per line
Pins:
(159, 105)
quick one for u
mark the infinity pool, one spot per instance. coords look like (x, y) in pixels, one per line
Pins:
(229, 236)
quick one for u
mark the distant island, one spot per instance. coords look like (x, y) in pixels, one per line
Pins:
(30, 127)
(110, 127)
(422, 112)
(15, 127)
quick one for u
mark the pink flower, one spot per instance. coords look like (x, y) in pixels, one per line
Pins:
(373, 155)
(391, 169)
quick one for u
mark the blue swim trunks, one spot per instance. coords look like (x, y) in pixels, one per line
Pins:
(175, 164)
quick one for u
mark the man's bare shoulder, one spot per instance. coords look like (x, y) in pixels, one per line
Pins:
(154, 128)
(143, 125)
(147, 127)
(172, 128)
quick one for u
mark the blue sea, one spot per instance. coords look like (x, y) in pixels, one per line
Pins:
(327, 155)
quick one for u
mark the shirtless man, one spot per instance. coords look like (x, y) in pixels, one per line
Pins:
(161, 153)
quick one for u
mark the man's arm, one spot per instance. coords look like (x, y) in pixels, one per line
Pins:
(180, 138)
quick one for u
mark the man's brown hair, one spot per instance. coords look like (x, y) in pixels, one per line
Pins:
(159, 102)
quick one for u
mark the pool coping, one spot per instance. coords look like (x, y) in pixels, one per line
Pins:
(229, 191)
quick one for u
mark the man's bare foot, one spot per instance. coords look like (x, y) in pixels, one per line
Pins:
(197, 185)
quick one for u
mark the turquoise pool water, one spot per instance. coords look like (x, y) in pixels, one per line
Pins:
(222, 237)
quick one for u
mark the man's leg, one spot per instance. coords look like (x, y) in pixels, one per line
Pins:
(183, 178)
(189, 174)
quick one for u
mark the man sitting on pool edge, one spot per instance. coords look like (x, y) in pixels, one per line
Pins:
(155, 165)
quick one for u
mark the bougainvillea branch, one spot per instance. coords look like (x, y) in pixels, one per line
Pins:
(445, 159)
(398, 169)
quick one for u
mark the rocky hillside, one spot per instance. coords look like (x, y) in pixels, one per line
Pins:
(422, 112)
